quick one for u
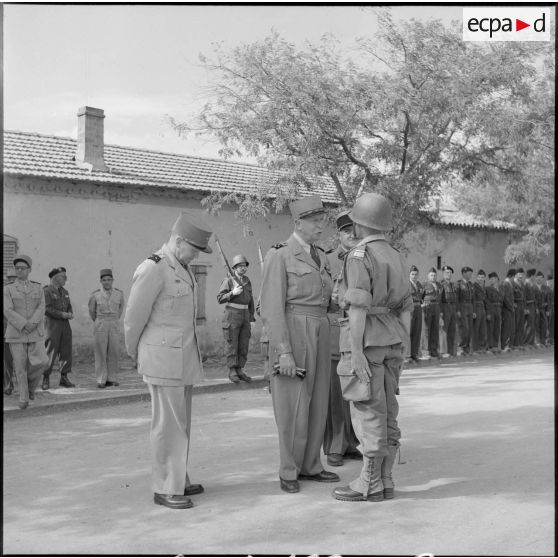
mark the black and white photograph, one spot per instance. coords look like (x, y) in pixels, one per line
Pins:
(278, 279)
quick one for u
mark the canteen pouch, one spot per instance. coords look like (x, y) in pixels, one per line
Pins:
(352, 388)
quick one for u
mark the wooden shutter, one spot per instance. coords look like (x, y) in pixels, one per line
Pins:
(200, 274)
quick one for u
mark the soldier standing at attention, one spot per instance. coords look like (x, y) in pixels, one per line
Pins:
(531, 310)
(494, 302)
(379, 303)
(105, 308)
(58, 331)
(542, 308)
(9, 376)
(519, 301)
(449, 308)
(295, 295)
(479, 313)
(340, 440)
(236, 293)
(550, 312)
(24, 310)
(431, 299)
(160, 333)
(417, 292)
(508, 312)
(465, 309)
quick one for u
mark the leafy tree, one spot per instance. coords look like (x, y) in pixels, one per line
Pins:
(406, 114)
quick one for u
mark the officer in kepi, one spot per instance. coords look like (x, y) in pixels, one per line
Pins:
(160, 333)
(24, 310)
(295, 294)
(58, 312)
(105, 308)
(236, 293)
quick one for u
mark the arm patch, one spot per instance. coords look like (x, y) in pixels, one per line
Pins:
(155, 258)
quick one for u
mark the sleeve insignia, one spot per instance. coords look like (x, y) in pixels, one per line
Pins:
(155, 258)
(358, 252)
(279, 245)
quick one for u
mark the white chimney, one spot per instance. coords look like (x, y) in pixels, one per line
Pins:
(90, 139)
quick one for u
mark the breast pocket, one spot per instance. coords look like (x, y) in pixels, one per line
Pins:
(176, 296)
(299, 279)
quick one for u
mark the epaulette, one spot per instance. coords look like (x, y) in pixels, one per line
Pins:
(35, 282)
(358, 252)
(279, 245)
(155, 258)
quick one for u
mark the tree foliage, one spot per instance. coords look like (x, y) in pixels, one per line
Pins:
(405, 114)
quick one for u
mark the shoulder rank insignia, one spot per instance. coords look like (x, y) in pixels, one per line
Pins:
(155, 258)
(358, 252)
(279, 245)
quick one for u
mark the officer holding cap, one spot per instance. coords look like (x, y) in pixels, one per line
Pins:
(160, 333)
(105, 308)
(24, 310)
(295, 295)
(58, 331)
(236, 293)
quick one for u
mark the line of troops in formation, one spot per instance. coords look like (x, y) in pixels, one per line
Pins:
(514, 314)
(37, 330)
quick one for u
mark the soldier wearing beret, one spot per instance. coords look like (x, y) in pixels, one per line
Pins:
(508, 312)
(541, 292)
(520, 311)
(295, 294)
(479, 313)
(465, 309)
(494, 302)
(531, 311)
(431, 300)
(24, 310)
(105, 308)
(417, 292)
(236, 293)
(340, 440)
(449, 309)
(160, 333)
(58, 331)
(377, 297)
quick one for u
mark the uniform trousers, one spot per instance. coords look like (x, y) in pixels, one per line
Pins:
(170, 437)
(9, 375)
(236, 329)
(519, 336)
(58, 344)
(416, 330)
(466, 327)
(339, 436)
(107, 347)
(300, 406)
(479, 328)
(450, 327)
(542, 327)
(432, 325)
(530, 322)
(551, 326)
(375, 420)
(508, 328)
(30, 359)
(494, 327)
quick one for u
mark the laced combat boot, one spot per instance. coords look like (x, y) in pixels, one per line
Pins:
(65, 381)
(387, 466)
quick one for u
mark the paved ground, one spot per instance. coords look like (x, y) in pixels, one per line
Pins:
(477, 476)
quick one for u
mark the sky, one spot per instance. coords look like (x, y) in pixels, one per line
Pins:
(140, 63)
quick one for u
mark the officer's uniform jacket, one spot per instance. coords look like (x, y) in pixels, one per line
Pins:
(375, 278)
(246, 297)
(417, 291)
(23, 302)
(432, 293)
(105, 304)
(494, 300)
(479, 297)
(507, 289)
(160, 322)
(334, 312)
(449, 292)
(518, 293)
(292, 278)
(530, 292)
(464, 294)
(57, 300)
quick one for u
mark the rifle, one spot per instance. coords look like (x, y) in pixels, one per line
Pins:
(226, 264)
(260, 254)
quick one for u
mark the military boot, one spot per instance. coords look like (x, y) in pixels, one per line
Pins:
(375, 486)
(387, 465)
(367, 487)
(46, 382)
(244, 377)
(65, 381)
(233, 376)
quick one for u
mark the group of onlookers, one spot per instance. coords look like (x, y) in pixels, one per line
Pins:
(474, 316)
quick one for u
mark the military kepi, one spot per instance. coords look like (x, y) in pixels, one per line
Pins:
(56, 271)
(23, 258)
(106, 273)
(304, 207)
(192, 233)
(343, 220)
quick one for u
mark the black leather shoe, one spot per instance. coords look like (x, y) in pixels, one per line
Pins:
(324, 476)
(289, 485)
(31, 396)
(233, 376)
(244, 377)
(347, 494)
(193, 489)
(65, 382)
(46, 383)
(108, 384)
(23, 405)
(174, 501)
(101, 386)
(335, 459)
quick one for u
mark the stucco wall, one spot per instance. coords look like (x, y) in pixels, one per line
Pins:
(87, 234)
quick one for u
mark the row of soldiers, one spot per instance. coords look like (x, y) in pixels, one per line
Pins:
(495, 316)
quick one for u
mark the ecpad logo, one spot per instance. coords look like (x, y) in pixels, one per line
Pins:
(506, 24)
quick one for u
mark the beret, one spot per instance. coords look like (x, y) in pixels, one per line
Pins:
(511, 272)
(531, 272)
(550, 276)
(414, 268)
(432, 270)
(481, 272)
(540, 274)
(466, 269)
(492, 274)
(447, 268)
(56, 271)
(520, 270)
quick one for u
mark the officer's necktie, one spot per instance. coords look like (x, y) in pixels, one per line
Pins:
(314, 254)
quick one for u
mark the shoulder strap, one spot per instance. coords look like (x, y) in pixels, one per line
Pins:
(155, 258)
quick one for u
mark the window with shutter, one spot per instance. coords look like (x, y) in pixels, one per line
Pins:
(10, 250)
